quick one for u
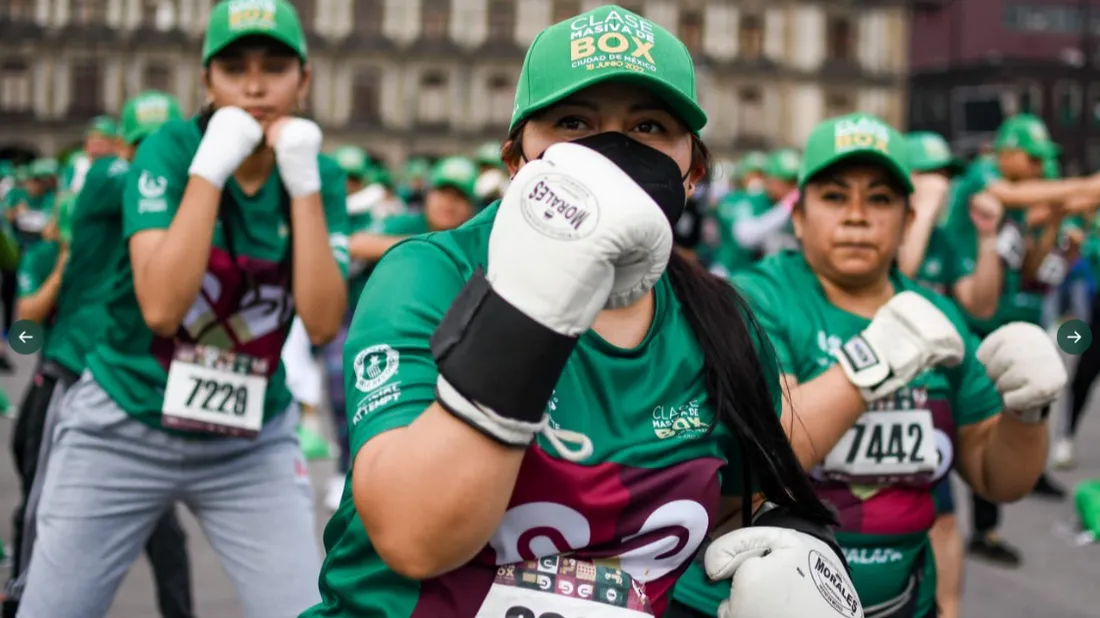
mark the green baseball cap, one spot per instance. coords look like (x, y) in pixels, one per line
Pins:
(102, 125)
(231, 20)
(145, 113)
(1028, 133)
(1051, 169)
(488, 154)
(929, 152)
(7, 168)
(753, 162)
(44, 168)
(783, 164)
(353, 160)
(416, 168)
(607, 43)
(458, 172)
(378, 174)
(857, 137)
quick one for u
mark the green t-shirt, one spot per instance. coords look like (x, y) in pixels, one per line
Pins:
(656, 473)
(1020, 301)
(734, 207)
(35, 267)
(358, 270)
(409, 224)
(28, 226)
(942, 267)
(883, 528)
(97, 261)
(131, 362)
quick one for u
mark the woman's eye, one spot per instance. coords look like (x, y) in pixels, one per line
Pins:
(649, 126)
(233, 67)
(276, 66)
(834, 196)
(571, 123)
(881, 199)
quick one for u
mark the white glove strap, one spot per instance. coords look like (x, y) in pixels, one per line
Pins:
(296, 153)
(510, 431)
(865, 366)
(1034, 416)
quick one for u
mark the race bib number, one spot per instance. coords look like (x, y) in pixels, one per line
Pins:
(215, 391)
(1010, 245)
(884, 448)
(1053, 269)
(558, 587)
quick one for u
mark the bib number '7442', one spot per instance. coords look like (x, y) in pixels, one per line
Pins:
(885, 447)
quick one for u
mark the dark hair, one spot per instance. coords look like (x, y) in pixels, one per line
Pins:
(737, 357)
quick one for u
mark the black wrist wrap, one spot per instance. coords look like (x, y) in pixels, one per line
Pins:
(496, 356)
(781, 517)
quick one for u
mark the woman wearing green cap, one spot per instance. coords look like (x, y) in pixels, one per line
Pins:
(545, 397)
(448, 203)
(890, 387)
(233, 224)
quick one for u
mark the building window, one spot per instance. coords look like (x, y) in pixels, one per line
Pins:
(306, 12)
(366, 96)
(840, 38)
(432, 102)
(750, 36)
(1030, 100)
(368, 17)
(158, 14)
(87, 89)
(750, 117)
(839, 104)
(501, 97)
(17, 10)
(157, 76)
(15, 86)
(565, 9)
(502, 20)
(435, 15)
(691, 29)
(89, 12)
(1067, 101)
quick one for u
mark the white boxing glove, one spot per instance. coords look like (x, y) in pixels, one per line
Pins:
(907, 335)
(574, 235)
(297, 142)
(231, 135)
(1022, 361)
(781, 573)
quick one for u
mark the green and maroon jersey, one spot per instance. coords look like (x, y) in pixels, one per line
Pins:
(607, 536)
(245, 305)
(879, 477)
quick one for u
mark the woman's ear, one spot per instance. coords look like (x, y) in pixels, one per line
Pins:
(511, 155)
(796, 219)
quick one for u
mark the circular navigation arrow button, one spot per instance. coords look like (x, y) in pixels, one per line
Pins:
(25, 337)
(1074, 337)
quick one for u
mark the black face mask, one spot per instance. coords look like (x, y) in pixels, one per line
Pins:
(654, 171)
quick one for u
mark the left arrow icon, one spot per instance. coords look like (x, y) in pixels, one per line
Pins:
(24, 336)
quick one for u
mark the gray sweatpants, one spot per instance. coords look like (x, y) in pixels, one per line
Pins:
(111, 478)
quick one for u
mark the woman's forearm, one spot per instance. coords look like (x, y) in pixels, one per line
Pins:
(1013, 457)
(320, 293)
(168, 276)
(369, 247)
(37, 307)
(431, 495)
(819, 413)
(1017, 195)
(980, 292)
(915, 244)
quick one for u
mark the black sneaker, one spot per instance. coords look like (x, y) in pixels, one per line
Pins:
(989, 546)
(5, 364)
(1045, 487)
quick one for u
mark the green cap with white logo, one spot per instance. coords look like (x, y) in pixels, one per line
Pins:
(929, 152)
(102, 125)
(856, 137)
(1028, 133)
(458, 172)
(44, 168)
(353, 160)
(783, 164)
(753, 162)
(488, 154)
(145, 113)
(231, 20)
(607, 43)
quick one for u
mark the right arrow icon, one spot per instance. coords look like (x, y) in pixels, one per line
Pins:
(1075, 337)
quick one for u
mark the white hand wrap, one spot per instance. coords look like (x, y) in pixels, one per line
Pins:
(296, 151)
(231, 135)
